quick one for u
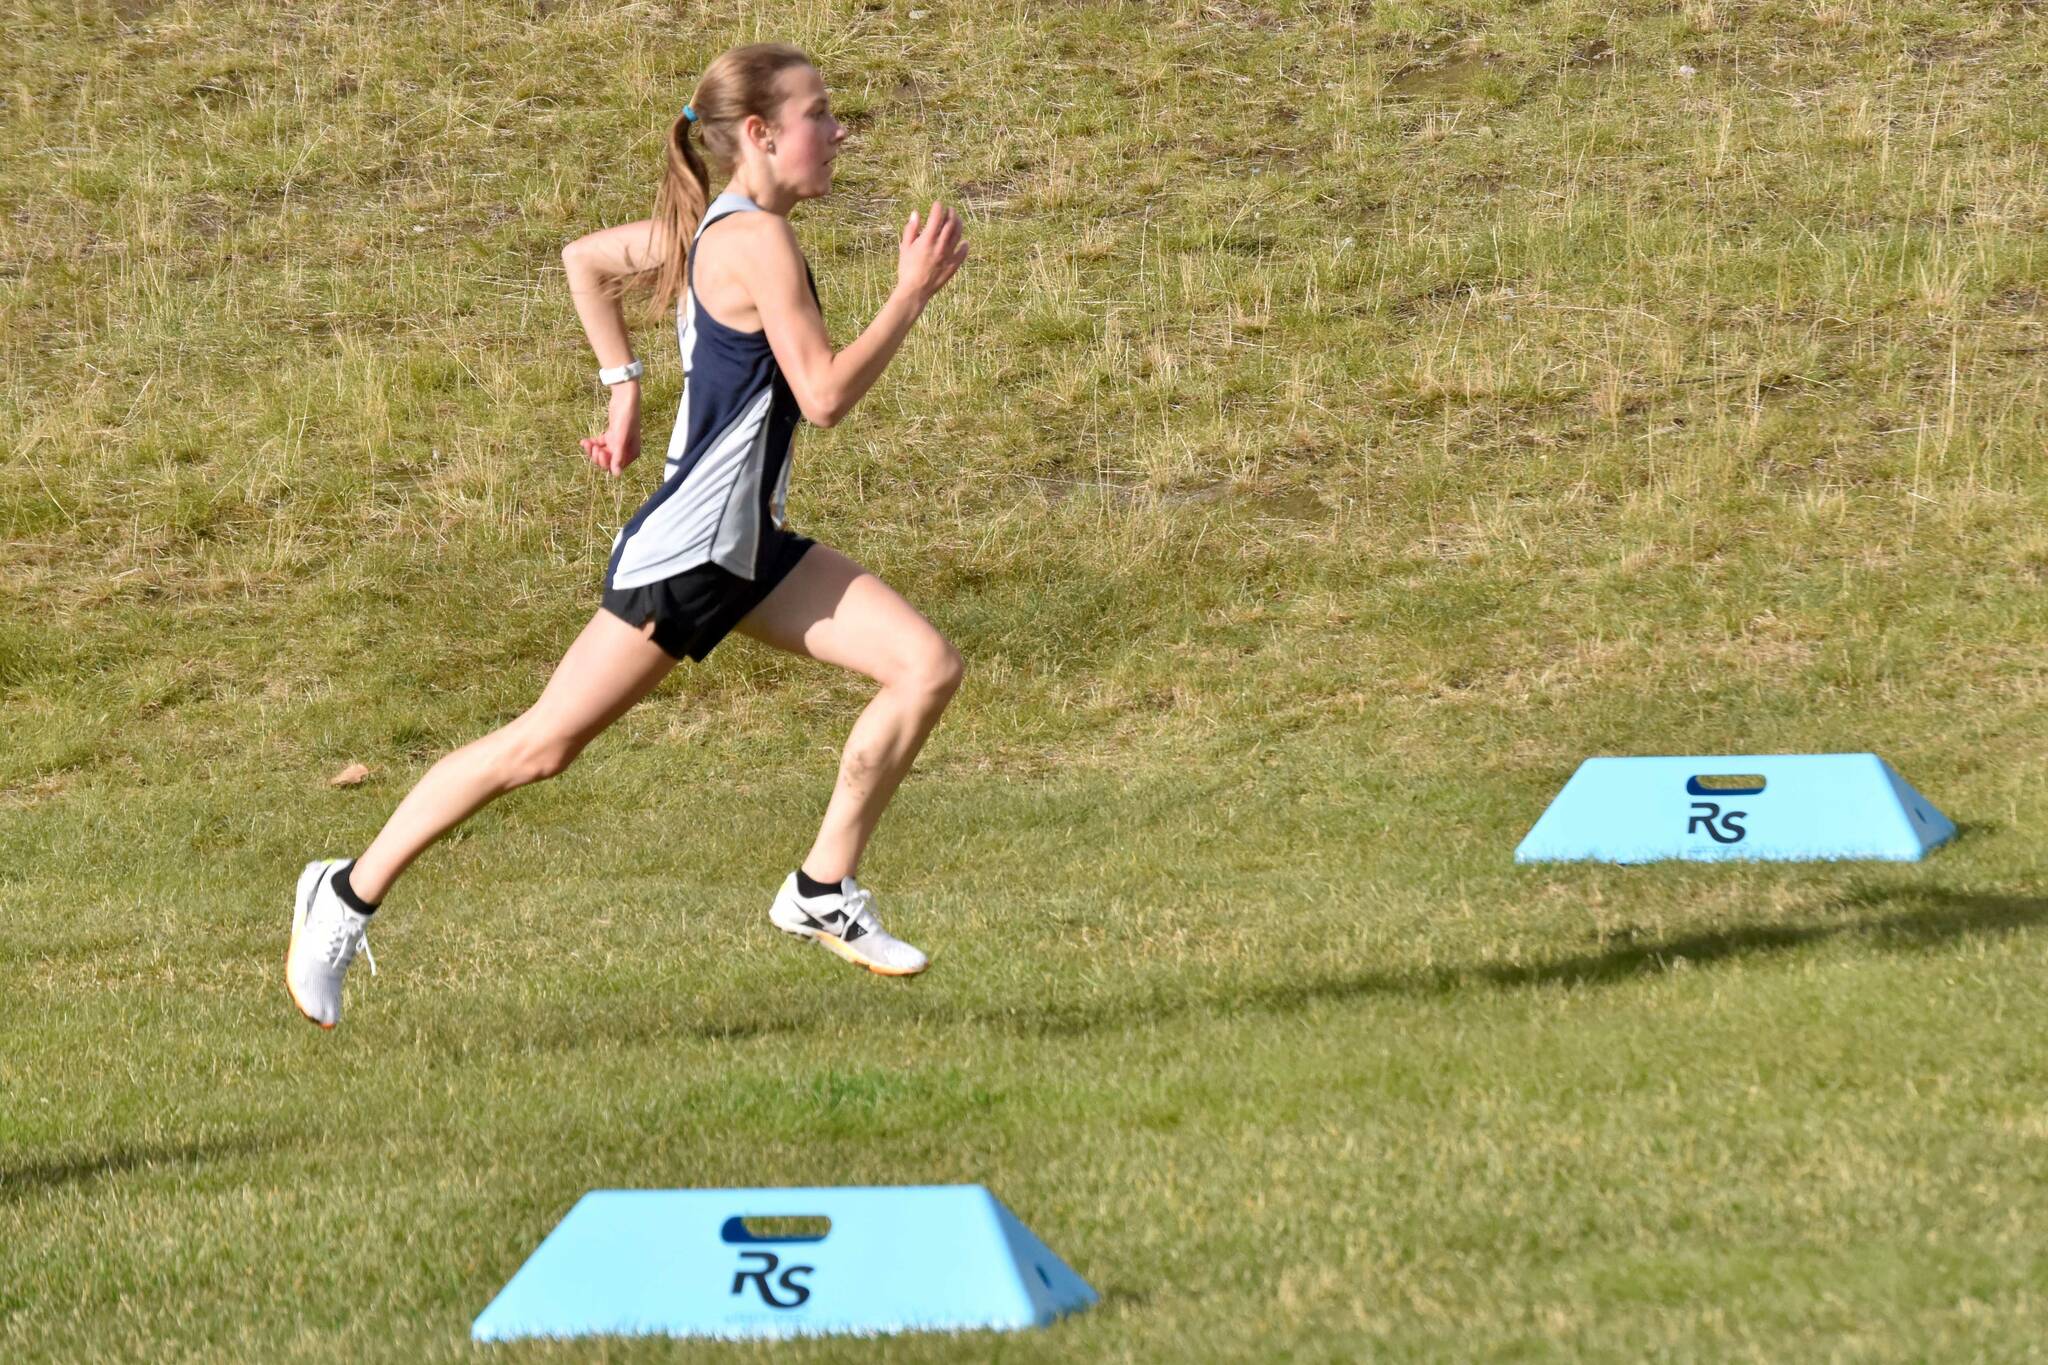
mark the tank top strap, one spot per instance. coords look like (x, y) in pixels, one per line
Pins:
(724, 206)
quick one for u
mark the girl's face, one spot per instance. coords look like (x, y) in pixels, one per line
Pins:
(806, 137)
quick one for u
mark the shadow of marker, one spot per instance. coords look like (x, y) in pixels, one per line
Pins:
(33, 1177)
(1937, 917)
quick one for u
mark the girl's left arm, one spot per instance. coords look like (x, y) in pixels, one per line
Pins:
(595, 264)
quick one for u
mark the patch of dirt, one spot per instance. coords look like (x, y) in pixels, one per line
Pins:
(1442, 78)
(1291, 504)
(1234, 15)
(904, 100)
(208, 216)
(908, 91)
(25, 794)
(983, 196)
(1597, 55)
(1721, 62)
(1934, 52)
(1448, 291)
(2017, 300)
(222, 88)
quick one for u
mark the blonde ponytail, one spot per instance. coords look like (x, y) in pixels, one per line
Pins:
(678, 207)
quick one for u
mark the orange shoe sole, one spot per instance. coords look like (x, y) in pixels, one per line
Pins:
(847, 951)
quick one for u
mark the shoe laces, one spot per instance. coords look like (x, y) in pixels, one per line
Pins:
(345, 940)
(859, 906)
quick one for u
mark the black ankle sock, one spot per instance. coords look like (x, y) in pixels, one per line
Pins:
(348, 893)
(808, 886)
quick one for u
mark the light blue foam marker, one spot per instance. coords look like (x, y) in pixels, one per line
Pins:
(1794, 807)
(784, 1263)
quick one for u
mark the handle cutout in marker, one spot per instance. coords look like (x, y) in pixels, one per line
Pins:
(795, 1227)
(1724, 784)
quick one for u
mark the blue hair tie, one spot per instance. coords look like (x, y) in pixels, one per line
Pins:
(689, 113)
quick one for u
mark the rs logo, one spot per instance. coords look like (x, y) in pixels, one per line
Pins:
(787, 1279)
(1705, 814)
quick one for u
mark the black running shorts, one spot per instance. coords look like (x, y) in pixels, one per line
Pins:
(698, 607)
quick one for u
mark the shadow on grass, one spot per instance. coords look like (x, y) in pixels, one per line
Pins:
(1937, 917)
(1888, 918)
(1944, 916)
(33, 1177)
(642, 1023)
(1120, 1295)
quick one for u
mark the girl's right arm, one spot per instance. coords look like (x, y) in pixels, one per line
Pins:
(594, 265)
(828, 384)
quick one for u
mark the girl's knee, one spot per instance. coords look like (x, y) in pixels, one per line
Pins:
(938, 669)
(525, 758)
(952, 668)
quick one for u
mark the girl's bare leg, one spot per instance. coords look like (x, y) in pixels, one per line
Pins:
(830, 608)
(610, 667)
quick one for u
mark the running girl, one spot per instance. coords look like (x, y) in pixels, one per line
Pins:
(711, 551)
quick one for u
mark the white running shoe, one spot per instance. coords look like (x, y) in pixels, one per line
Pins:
(326, 936)
(844, 921)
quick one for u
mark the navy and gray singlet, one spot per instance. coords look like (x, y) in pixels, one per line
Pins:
(723, 497)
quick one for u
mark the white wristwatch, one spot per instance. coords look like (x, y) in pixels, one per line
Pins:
(619, 374)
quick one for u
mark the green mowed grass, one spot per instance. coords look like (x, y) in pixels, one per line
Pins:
(1353, 416)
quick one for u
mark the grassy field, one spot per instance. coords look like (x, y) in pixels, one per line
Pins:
(1352, 416)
